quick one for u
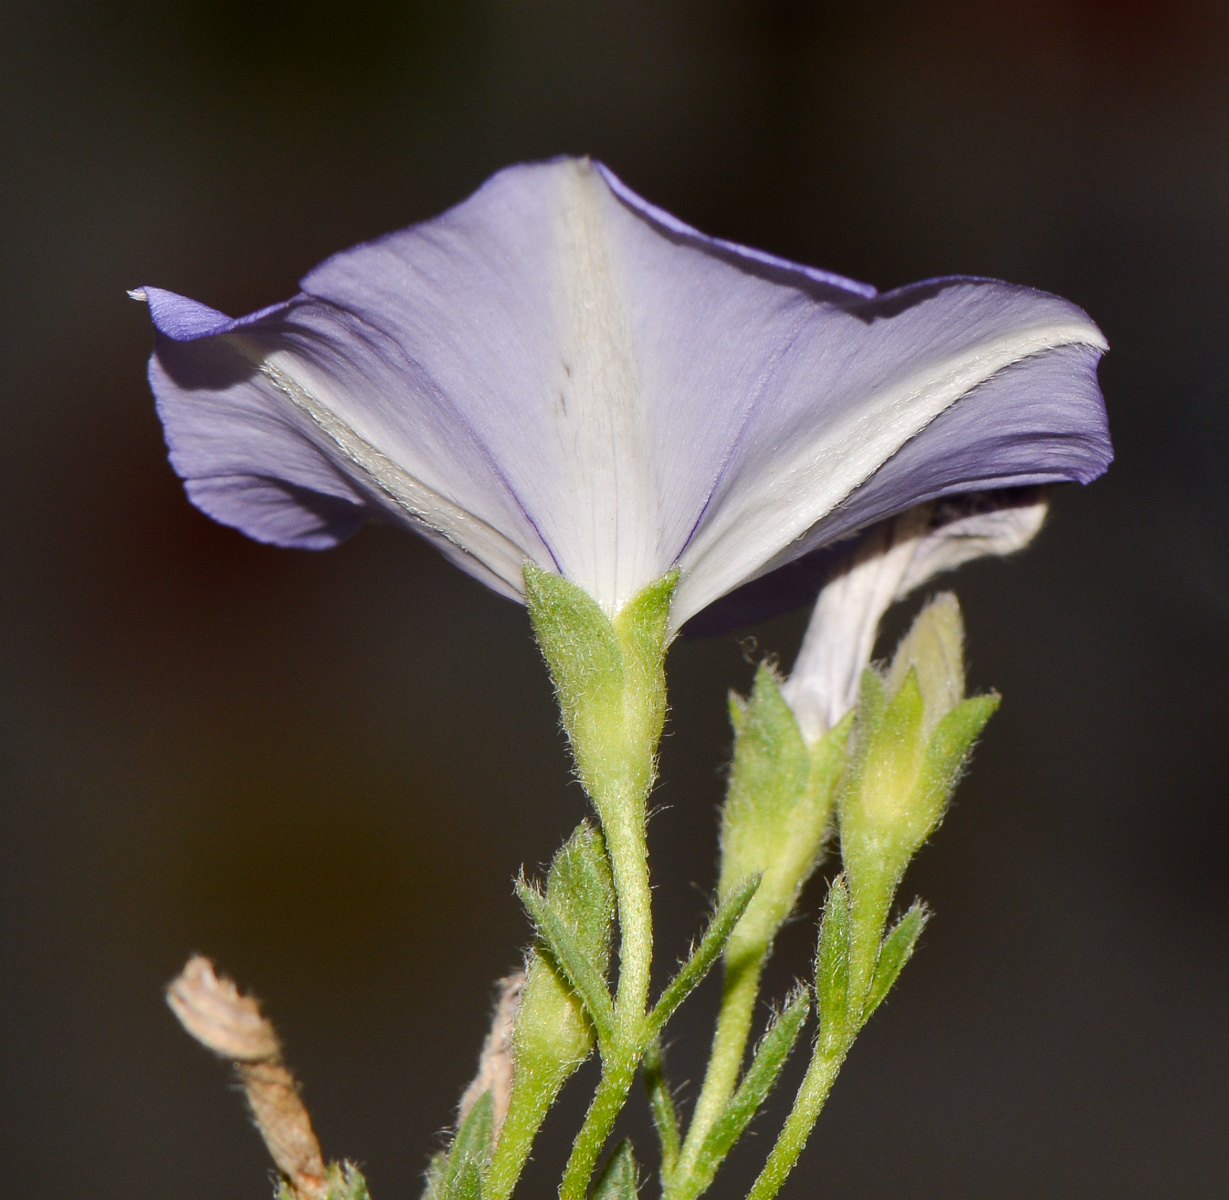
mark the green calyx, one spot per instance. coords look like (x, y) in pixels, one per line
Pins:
(609, 675)
(777, 809)
(912, 736)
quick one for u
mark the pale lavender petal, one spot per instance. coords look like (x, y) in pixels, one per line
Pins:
(859, 384)
(184, 320)
(1039, 421)
(556, 371)
(280, 423)
(508, 303)
(710, 328)
(246, 457)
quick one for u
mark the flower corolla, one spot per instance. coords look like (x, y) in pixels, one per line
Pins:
(557, 372)
(887, 563)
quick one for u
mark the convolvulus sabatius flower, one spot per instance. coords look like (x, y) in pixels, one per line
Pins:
(557, 372)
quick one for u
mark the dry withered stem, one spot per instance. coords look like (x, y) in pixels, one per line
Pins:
(496, 1061)
(230, 1024)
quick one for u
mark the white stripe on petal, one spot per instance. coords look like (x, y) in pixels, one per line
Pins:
(600, 419)
(400, 490)
(798, 484)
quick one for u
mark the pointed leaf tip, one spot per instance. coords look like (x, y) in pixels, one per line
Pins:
(896, 950)
(619, 1179)
(569, 956)
(460, 1177)
(832, 966)
(934, 648)
(702, 958)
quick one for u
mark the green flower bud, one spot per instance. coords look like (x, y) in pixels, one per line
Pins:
(933, 649)
(777, 809)
(912, 735)
(553, 1035)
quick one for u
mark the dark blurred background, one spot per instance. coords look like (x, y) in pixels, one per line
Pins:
(324, 770)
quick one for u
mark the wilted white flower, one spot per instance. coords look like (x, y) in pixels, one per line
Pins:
(887, 564)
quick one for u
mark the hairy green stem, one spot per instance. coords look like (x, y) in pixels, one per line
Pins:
(816, 1085)
(871, 901)
(741, 987)
(623, 824)
(515, 1142)
(620, 800)
(605, 1107)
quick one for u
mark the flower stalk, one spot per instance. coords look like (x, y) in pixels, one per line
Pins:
(777, 813)
(609, 676)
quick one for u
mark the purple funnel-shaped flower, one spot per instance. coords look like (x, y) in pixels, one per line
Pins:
(556, 371)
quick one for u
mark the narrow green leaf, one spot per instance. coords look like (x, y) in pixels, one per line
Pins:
(770, 1057)
(466, 1184)
(579, 888)
(705, 953)
(737, 708)
(467, 1158)
(662, 1105)
(896, 950)
(433, 1182)
(571, 960)
(619, 1179)
(832, 967)
(473, 1138)
(553, 1032)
